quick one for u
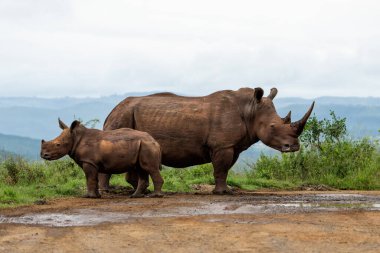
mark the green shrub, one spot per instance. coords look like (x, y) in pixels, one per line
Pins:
(329, 157)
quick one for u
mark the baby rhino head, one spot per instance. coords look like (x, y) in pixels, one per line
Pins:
(61, 145)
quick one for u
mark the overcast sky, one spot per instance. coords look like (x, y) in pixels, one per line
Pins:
(55, 48)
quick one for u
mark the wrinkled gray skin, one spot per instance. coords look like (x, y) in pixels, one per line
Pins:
(214, 128)
(115, 151)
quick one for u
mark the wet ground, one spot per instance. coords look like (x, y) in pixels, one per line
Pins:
(245, 222)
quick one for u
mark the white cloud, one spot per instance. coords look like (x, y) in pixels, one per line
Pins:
(81, 48)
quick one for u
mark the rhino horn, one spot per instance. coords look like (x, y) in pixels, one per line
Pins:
(61, 124)
(273, 93)
(299, 125)
(288, 118)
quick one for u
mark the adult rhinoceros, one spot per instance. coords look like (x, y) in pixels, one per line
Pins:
(214, 128)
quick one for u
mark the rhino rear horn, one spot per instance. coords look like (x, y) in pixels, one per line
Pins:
(300, 125)
(288, 118)
(273, 93)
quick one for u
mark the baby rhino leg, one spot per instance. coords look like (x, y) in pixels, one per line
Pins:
(132, 178)
(150, 159)
(91, 173)
(157, 182)
(143, 183)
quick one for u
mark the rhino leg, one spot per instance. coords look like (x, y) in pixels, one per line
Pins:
(149, 162)
(104, 181)
(222, 161)
(142, 184)
(92, 181)
(132, 178)
(157, 181)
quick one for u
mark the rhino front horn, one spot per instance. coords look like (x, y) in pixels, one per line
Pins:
(299, 125)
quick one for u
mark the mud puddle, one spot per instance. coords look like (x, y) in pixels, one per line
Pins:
(82, 217)
(129, 210)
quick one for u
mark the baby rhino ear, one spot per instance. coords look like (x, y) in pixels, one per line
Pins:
(75, 124)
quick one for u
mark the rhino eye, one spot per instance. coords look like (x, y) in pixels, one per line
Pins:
(58, 144)
(272, 125)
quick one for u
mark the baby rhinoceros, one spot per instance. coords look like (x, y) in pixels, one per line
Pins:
(115, 151)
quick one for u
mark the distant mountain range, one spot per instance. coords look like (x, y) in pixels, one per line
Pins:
(16, 145)
(362, 114)
(36, 118)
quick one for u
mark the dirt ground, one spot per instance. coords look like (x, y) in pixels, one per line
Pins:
(306, 221)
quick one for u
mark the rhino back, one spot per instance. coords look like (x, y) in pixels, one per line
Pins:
(187, 128)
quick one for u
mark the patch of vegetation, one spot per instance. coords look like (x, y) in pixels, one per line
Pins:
(182, 179)
(24, 182)
(329, 156)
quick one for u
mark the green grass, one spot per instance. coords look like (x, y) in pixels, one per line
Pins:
(182, 179)
(23, 182)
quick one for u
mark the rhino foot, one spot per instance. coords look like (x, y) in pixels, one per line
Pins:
(107, 190)
(137, 195)
(156, 195)
(222, 192)
(147, 191)
(92, 196)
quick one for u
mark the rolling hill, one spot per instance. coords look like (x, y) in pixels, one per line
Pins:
(16, 145)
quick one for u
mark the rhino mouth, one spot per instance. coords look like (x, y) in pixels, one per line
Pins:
(47, 156)
(289, 148)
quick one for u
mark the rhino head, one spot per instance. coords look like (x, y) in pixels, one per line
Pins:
(276, 132)
(61, 145)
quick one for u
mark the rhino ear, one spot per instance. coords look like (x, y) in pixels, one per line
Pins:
(74, 125)
(273, 93)
(259, 93)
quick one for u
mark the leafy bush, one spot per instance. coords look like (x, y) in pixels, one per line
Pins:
(329, 157)
(17, 170)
